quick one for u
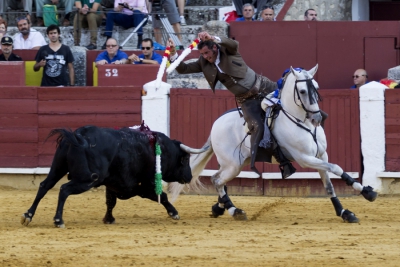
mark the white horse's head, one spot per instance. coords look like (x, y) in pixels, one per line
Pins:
(300, 97)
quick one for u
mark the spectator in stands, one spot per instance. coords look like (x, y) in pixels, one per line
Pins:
(128, 14)
(148, 56)
(26, 5)
(6, 47)
(27, 38)
(88, 16)
(181, 9)
(67, 4)
(3, 28)
(268, 13)
(112, 55)
(360, 78)
(55, 58)
(310, 14)
(258, 4)
(170, 10)
(248, 13)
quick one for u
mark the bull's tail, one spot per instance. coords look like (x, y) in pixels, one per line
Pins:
(197, 163)
(75, 139)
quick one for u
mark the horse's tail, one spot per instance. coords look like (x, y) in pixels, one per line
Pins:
(197, 163)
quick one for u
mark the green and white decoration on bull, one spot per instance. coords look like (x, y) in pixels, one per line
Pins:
(158, 175)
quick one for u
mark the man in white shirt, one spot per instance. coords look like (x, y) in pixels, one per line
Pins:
(27, 38)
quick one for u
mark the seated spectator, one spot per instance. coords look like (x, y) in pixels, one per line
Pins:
(3, 28)
(148, 56)
(67, 4)
(112, 55)
(128, 14)
(248, 13)
(26, 5)
(170, 10)
(27, 38)
(258, 4)
(268, 13)
(55, 58)
(310, 14)
(360, 78)
(6, 47)
(88, 16)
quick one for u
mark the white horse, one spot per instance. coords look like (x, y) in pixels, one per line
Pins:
(296, 130)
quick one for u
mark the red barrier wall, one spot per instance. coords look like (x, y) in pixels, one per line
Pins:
(12, 73)
(392, 130)
(339, 47)
(27, 114)
(128, 75)
(92, 54)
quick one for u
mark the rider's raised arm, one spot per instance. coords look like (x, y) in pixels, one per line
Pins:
(231, 45)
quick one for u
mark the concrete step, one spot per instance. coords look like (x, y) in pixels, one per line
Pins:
(210, 3)
(198, 15)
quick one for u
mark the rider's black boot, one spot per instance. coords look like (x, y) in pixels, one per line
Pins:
(324, 117)
(255, 142)
(285, 165)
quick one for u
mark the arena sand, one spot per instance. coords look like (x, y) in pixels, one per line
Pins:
(279, 232)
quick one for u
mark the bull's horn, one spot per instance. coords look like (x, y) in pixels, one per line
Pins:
(194, 150)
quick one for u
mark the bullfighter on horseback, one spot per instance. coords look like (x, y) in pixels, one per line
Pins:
(221, 61)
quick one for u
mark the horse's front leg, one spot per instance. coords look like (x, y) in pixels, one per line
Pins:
(320, 165)
(224, 202)
(346, 215)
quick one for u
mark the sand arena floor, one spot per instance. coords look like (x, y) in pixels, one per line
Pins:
(279, 232)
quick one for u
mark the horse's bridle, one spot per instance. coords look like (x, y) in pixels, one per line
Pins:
(309, 85)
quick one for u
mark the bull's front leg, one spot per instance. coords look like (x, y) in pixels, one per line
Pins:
(111, 201)
(172, 212)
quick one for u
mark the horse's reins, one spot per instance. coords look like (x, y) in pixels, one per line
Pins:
(297, 121)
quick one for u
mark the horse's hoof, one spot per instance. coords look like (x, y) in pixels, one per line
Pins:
(26, 219)
(349, 217)
(217, 211)
(59, 223)
(239, 215)
(369, 194)
(175, 217)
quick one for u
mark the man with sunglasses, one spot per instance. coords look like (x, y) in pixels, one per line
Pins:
(267, 14)
(148, 56)
(360, 78)
(27, 38)
(112, 55)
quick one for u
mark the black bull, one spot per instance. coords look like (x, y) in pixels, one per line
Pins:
(123, 161)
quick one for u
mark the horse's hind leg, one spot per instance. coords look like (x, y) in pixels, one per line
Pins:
(224, 202)
(346, 215)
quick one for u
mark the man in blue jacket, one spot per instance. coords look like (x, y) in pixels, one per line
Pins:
(112, 55)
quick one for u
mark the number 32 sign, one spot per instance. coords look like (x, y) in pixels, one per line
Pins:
(111, 73)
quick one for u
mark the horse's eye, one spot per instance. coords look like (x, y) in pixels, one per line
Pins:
(303, 92)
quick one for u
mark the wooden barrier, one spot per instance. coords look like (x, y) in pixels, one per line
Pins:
(392, 130)
(126, 75)
(12, 73)
(27, 114)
